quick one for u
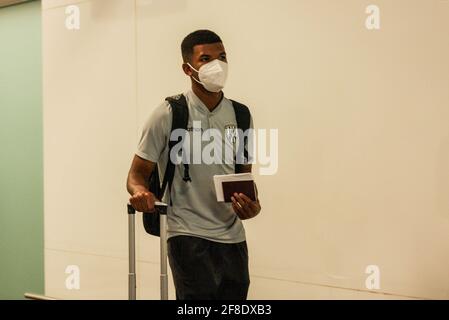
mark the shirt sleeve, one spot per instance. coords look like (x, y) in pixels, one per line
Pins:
(155, 131)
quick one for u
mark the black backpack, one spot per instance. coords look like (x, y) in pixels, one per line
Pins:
(180, 114)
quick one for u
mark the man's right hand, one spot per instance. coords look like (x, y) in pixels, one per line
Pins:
(143, 201)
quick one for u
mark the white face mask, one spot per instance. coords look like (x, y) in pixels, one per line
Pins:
(212, 75)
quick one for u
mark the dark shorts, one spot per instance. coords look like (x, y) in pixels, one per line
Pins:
(207, 270)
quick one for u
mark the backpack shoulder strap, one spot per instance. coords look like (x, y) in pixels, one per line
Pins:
(180, 118)
(180, 112)
(243, 117)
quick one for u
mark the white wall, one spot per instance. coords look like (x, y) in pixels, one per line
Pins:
(362, 115)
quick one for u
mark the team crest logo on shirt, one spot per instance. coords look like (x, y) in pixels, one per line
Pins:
(231, 133)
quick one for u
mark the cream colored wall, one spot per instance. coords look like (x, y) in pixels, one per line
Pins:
(362, 115)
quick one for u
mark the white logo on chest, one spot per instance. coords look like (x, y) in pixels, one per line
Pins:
(231, 133)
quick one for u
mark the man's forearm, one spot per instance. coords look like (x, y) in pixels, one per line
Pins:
(136, 183)
(138, 175)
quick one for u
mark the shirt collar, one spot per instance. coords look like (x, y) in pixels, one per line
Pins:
(198, 104)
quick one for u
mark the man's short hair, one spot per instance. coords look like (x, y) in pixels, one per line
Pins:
(196, 38)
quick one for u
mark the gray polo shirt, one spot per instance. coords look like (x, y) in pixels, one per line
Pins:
(195, 210)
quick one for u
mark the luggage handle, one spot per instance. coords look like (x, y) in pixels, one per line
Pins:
(161, 209)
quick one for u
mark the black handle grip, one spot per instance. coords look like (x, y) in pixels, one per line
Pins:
(131, 210)
(161, 209)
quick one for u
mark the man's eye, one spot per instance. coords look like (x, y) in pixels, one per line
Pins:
(204, 59)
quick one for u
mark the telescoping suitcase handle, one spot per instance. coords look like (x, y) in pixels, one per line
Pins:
(161, 209)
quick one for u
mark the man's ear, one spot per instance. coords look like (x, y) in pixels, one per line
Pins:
(187, 70)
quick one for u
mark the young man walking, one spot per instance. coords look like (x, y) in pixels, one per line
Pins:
(207, 248)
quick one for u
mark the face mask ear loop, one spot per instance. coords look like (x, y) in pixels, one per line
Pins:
(192, 67)
(197, 80)
(196, 72)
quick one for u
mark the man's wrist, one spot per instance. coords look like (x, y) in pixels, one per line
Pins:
(138, 188)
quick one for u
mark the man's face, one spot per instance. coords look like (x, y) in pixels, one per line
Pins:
(203, 54)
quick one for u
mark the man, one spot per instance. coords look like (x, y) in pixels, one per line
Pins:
(207, 247)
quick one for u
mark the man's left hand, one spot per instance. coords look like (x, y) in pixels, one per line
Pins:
(244, 207)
